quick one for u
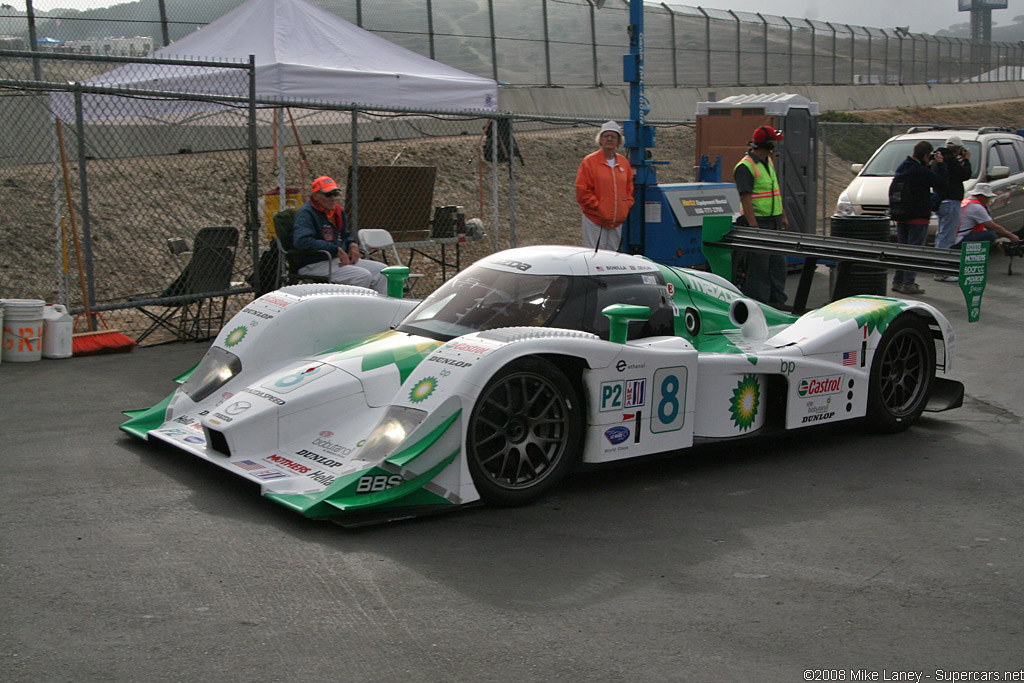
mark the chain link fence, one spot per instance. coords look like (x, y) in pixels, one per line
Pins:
(104, 186)
(130, 173)
(567, 42)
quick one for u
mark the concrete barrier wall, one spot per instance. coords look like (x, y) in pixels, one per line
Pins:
(681, 103)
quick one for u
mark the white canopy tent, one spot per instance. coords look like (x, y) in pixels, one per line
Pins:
(305, 53)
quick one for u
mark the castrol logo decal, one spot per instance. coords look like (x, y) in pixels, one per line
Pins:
(820, 386)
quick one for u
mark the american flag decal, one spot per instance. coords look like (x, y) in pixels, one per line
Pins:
(849, 357)
(248, 465)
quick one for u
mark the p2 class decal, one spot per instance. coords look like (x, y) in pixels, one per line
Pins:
(623, 394)
(668, 399)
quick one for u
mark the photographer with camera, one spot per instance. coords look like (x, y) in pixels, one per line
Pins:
(958, 165)
(976, 224)
(910, 204)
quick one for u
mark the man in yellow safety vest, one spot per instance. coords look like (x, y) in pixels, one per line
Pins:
(761, 276)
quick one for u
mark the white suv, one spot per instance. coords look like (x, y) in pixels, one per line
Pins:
(997, 157)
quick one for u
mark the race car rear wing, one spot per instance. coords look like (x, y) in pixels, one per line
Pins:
(969, 264)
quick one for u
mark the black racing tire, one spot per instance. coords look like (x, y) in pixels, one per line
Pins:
(524, 432)
(901, 377)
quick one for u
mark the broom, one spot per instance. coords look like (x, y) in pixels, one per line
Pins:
(94, 341)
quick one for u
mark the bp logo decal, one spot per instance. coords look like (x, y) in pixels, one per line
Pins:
(746, 398)
(235, 336)
(874, 313)
(423, 389)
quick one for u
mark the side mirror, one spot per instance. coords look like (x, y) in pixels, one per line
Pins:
(856, 168)
(999, 172)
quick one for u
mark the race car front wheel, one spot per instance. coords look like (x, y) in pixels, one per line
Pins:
(901, 374)
(524, 432)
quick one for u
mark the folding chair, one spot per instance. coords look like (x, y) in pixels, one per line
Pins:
(283, 239)
(378, 239)
(195, 314)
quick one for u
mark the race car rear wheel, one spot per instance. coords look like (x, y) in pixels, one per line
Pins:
(524, 432)
(901, 374)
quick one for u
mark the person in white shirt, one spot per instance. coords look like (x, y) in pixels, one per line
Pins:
(976, 224)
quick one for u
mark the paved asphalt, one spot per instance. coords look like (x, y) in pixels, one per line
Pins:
(835, 550)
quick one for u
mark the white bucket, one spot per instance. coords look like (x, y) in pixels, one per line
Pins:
(57, 329)
(23, 330)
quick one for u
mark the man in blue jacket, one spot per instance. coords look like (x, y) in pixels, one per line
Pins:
(320, 225)
(910, 205)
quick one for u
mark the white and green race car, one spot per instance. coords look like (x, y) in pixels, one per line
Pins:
(345, 404)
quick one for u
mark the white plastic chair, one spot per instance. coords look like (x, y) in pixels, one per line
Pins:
(378, 239)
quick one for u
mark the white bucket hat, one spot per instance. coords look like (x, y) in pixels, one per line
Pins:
(609, 126)
(983, 189)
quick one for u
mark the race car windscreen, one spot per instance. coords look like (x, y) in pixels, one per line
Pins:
(480, 299)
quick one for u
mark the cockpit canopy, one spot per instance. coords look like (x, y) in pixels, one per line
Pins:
(483, 298)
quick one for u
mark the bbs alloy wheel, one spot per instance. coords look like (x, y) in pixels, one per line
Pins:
(901, 374)
(524, 432)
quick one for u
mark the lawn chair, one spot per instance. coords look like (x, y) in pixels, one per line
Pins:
(283, 240)
(198, 296)
(377, 239)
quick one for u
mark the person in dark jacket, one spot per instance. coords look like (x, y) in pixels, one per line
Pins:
(910, 204)
(958, 164)
(320, 225)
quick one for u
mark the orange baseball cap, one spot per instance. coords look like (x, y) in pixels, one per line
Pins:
(324, 184)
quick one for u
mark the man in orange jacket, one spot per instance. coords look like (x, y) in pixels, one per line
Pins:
(604, 190)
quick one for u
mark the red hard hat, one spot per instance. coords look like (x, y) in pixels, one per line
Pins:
(766, 133)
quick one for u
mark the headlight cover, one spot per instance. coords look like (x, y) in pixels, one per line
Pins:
(217, 367)
(398, 422)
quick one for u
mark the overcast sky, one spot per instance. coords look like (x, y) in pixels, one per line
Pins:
(923, 16)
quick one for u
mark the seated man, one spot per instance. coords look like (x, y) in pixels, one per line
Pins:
(320, 224)
(976, 224)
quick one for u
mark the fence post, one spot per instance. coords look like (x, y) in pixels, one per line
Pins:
(835, 51)
(869, 55)
(30, 15)
(430, 26)
(790, 49)
(926, 41)
(593, 43)
(814, 53)
(823, 127)
(161, 4)
(672, 30)
(252, 205)
(511, 185)
(885, 60)
(354, 179)
(547, 44)
(494, 43)
(494, 178)
(764, 22)
(83, 180)
(913, 58)
(853, 53)
(707, 45)
(739, 49)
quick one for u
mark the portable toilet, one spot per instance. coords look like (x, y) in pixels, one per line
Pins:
(724, 127)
